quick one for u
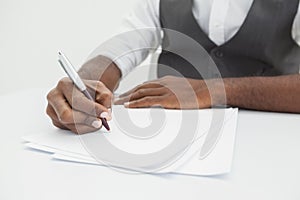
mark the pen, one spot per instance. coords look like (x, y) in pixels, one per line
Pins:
(73, 75)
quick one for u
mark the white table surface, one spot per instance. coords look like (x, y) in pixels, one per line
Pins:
(266, 163)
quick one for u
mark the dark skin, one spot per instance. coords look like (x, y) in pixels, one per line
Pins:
(69, 109)
(67, 106)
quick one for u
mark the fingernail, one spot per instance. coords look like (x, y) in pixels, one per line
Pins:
(109, 117)
(104, 115)
(116, 99)
(126, 104)
(97, 124)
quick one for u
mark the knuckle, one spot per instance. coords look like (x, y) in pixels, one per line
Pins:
(106, 95)
(48, 111)
(141, 92)
(99, 84)
(65, 116)
(166, 78)
(50, 95)
(146, 100)
(63, 82)
(56, 124)
(138, 87)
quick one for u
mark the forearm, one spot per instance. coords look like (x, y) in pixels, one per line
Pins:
(278, 94)
(102, 69)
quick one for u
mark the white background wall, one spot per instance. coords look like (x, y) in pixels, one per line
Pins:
(32, 31)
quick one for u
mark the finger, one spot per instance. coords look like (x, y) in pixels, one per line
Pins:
(141, 93)
(78, 128)
(59, 125)
(104, 98)
(146, 102)
(142, 86)
(76, 99)
(50, 111)
(65, 115)
(81, 103)
(103, 95)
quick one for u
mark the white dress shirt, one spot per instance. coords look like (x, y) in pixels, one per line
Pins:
(219, 19)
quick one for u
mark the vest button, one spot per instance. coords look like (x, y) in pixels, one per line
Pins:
(219, 54)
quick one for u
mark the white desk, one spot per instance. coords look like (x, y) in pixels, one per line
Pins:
(266, 163)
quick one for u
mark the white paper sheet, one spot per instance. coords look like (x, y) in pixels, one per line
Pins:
(67, 146)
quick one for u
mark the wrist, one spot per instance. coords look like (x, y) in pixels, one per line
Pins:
(230, 86)
(217, 91)
(237, 89)
(102, 69)
(211, 93)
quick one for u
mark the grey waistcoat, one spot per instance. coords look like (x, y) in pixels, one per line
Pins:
(262, 47)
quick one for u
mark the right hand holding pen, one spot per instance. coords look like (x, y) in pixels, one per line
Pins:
(69, 109)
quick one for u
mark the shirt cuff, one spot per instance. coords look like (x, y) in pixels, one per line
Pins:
(124, 63)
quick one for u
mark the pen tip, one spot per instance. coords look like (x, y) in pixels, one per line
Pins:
(105, 124)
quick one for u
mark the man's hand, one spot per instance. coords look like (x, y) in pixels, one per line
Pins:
(174, 93)
(277, 94)
(69, 109)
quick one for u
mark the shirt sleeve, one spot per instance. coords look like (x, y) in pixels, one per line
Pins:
(296, 27)
(139, 34)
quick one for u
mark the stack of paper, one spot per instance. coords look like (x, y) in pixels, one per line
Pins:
(195, 142)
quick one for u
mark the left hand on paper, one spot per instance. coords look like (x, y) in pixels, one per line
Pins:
(174, 93)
